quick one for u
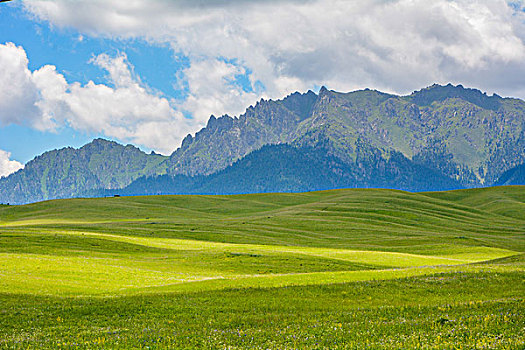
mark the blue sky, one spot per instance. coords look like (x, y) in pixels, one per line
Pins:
(149, 73)
(70, 52)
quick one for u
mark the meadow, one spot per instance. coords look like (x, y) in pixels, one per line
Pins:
(333, 269)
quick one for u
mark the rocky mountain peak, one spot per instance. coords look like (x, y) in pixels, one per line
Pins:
(323, 91)
(439, 93)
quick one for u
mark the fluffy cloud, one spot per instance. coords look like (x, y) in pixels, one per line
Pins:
(19, 93)
(8, 166)
(121, 111)
(214, 89)
(294, 45)
(127, 110)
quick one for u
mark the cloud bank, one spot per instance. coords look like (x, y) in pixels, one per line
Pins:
(393, 45)
(282, 46)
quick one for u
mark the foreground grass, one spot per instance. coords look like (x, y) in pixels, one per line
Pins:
(335, 269)
(442, 311)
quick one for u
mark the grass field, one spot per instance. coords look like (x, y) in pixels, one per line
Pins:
(333, 269)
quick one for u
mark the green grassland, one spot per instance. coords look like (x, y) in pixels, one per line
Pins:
(332, 269)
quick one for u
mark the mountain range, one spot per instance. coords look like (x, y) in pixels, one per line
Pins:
(440, 137)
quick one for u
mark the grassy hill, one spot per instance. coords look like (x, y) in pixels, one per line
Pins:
(330, 269)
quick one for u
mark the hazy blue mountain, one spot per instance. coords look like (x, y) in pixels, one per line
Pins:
(70, 172)
(514, 176)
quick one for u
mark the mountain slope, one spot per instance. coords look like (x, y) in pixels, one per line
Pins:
(463, 133)
(514, 176)
(69, 172)
(283, 168)
(448, 132)
(226, 139)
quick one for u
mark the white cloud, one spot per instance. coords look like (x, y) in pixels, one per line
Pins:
(19, 94)
(8, 166)
(396, 45)
(127, 111)
(213, 90)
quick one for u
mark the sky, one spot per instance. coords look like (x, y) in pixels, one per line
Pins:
(150, 72)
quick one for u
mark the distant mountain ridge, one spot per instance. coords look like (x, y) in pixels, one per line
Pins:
(70, 172)
(462, 132)
(440, 137)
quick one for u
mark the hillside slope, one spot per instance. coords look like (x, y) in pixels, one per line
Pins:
(283, 168)
(365, 219)
(332, 269)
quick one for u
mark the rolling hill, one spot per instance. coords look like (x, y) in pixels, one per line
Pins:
(332, 269)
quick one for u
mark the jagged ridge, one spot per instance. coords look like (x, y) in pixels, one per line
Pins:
(455, 133)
